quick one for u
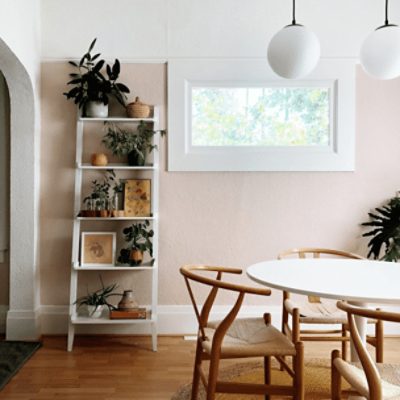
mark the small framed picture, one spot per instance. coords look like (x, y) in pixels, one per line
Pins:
(98, 249)
(137, 198)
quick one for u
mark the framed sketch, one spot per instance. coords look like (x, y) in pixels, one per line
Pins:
(98, 249)
(137, 198)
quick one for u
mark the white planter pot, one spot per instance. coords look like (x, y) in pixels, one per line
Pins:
(96, 109)
(94, 312)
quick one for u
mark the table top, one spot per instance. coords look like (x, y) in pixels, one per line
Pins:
(363, 281)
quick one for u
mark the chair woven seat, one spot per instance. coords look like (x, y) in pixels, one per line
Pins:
(355, 375)
(250, 337)
(324, 312)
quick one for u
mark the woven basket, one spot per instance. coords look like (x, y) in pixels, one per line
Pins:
(137, 109)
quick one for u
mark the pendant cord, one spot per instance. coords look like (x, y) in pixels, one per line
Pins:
(386, 13)
(294, 12)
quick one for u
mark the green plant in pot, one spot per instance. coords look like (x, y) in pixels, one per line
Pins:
(118, 192)
(133, 144)
(385, 233)
(91, 88)
(98, 202)
(138, 236)
(96, 301)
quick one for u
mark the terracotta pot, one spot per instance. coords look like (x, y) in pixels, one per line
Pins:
(136, 257)
(99, 160)
(91, 213)
(104, 213)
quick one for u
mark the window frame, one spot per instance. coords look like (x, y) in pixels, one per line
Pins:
(183, 75)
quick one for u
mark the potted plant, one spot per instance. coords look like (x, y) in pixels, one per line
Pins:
(138, 236)
(385, 233)
(134, 145)
(118, 195)
(98, 300)
(92, 90)
(98, 202)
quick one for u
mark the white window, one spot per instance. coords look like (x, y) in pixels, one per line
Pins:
(237, 116)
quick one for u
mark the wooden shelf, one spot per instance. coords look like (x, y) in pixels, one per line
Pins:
(117, 167)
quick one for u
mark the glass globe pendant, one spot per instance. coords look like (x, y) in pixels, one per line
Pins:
(380, 52)
(294, 51)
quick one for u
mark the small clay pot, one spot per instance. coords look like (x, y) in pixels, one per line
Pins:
(83, 213)
(91, 213)
(104, 213)
(136, 257)
(99, 160)
(128, 301)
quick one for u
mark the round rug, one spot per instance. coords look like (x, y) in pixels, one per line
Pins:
(317, 380)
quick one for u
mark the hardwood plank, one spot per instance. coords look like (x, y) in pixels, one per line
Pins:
(121, 368)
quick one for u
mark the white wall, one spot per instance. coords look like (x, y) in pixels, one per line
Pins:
(280, 210)
(136, 29)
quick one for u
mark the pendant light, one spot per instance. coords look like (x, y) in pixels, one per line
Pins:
(294, 51)
(380, 52)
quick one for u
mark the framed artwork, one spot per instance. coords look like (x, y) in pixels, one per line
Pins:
(98, 249)
(137, 198)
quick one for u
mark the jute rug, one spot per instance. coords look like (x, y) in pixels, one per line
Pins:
(317, 380)
(13, 355)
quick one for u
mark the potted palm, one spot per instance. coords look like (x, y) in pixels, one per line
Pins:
(92, 89)
(138, 236)
(385, 233)
(134, 145)
(97, 301)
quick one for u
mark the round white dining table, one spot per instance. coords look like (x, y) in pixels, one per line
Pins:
(360, 282)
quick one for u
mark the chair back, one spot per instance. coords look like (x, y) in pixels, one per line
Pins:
(369, 367)
(314, 252)
(196, 273)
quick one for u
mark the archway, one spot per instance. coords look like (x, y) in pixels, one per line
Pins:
(22, 317)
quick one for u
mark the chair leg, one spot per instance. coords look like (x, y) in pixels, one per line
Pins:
(212, 376)
(298, 363)
(267, 373)
(379, 339)
(336, 381)
(344, 342)
(196, 371)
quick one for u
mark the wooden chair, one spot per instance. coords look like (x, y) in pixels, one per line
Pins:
(317, 313)
(373, 381)
(239, 338)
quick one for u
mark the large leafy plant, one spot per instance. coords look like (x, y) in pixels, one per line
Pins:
(385, 234)
(122, 141)
(90, 84)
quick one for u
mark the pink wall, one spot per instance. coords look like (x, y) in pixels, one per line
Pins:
(221, 218)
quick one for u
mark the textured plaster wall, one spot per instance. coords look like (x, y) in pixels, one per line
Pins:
(220, 218)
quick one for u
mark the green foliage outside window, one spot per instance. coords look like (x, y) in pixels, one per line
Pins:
(260, 116)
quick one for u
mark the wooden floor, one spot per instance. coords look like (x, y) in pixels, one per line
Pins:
(105, 368)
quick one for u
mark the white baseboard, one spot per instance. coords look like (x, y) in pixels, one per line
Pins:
(172, 320)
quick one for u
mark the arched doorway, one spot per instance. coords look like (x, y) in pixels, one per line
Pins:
(22, 317)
